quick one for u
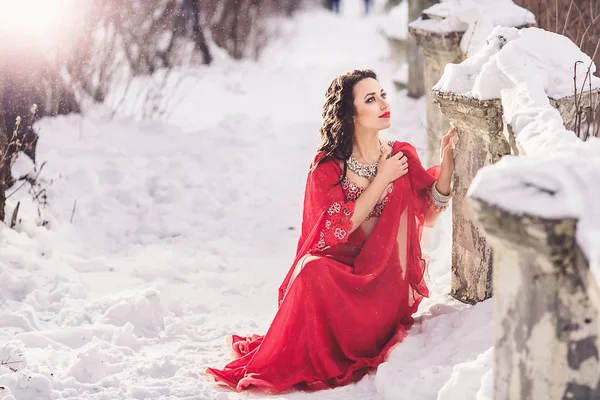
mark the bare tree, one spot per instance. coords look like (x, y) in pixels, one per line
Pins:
(120, 39)
(189, 21)
(140, 37)
(30, 87)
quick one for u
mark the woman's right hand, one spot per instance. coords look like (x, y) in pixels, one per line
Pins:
(392, 168)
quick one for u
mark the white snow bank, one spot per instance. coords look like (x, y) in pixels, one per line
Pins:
(476, 18)
(438, 351)
(143, 311)
(512, 56)
(471, 380)
(559, 175)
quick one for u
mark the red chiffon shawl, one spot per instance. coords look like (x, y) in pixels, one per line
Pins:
(347, 299)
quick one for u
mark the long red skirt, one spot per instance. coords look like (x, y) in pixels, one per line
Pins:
(330, 329)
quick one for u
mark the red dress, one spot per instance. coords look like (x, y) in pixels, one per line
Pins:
(347, 299)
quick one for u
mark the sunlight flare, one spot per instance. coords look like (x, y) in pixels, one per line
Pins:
(41, 20)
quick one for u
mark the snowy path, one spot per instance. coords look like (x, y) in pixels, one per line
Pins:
(183, 229)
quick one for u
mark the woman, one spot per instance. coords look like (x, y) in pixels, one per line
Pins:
(358, 275)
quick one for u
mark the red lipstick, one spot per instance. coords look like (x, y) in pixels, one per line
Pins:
(385, 115)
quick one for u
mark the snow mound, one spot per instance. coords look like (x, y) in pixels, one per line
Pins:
(425, 363)
(512, 56)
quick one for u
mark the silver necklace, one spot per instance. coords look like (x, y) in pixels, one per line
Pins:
(364, 170)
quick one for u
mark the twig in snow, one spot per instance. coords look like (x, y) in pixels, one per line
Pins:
(27, 179)
(471, 38)
(7, 364)
(13, 220)
(73, 212)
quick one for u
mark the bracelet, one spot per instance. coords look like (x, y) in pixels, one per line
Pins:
(441, 197)
(439, 200)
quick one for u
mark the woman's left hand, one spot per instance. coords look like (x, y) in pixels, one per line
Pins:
(447, 152)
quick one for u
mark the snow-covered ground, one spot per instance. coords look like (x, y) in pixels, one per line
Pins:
(166, 235)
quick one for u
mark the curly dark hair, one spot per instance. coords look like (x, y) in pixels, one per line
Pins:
(337, 130)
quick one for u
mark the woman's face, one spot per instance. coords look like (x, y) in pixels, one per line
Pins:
(372, 111)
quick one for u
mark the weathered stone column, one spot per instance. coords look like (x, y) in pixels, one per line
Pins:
(483, 139)
(416, 77)
(546, 308)
(439, 49)
(480, 142)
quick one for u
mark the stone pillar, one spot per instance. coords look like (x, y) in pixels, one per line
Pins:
(439, 49)
(483, 138)
(416, 78)
(480, 142)
(546, 308)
